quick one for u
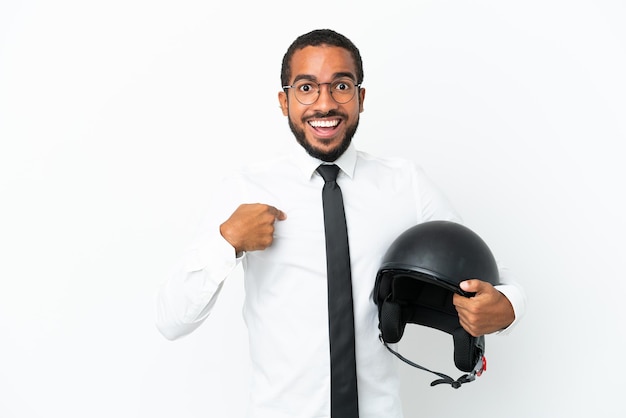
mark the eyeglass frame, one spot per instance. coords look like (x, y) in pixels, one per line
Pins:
(319, 89)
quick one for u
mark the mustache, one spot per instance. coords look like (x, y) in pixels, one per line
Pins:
(330, 113)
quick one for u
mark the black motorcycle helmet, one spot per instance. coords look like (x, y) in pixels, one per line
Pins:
(418, 276)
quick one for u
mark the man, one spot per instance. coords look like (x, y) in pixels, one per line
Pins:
(269, 218)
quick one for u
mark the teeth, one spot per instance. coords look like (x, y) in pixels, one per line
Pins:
(324, 123)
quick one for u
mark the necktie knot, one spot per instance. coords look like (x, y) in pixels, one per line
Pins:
(328, 172)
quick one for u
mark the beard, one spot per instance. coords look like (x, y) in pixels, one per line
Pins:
(329, 156)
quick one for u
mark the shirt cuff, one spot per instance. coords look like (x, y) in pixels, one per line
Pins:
(516, 296)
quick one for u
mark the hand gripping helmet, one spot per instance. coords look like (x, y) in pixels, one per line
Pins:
(418, 276)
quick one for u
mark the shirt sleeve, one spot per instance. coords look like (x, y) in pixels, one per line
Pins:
(432, 202)
(187, 297)
(514, 292)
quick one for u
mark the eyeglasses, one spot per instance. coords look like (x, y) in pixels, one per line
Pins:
(307, 92)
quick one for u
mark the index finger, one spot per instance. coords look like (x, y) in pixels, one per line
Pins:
(278, 214)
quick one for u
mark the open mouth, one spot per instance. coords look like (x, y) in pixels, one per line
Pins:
(324, 126)
(324, 123)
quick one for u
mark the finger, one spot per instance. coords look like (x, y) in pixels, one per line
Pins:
(463, 303)
(460, 302)
(279, 215)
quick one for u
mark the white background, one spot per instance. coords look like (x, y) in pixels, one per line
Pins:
(115, 116)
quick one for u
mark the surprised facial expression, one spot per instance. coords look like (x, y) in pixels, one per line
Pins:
(324, 128)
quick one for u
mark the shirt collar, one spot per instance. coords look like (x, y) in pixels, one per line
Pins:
(307, 164)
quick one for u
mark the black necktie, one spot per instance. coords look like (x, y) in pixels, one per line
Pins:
(343, 390)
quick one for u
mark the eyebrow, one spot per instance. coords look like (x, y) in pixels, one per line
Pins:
(335, 76)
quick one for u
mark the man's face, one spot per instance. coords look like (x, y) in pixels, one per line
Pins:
(324, 128)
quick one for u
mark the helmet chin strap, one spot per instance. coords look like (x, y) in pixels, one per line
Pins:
(480, 367)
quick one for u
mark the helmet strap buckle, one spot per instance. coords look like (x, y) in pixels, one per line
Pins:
(480, 367)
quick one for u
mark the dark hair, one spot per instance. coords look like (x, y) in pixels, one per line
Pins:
(316, 38)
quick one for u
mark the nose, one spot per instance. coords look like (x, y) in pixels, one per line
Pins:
(325, 100)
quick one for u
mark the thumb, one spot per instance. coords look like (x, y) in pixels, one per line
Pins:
(472, 285)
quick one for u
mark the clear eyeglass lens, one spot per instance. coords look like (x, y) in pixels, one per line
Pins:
(341, 90)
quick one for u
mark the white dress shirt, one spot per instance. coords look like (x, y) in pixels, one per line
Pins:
(285, 307)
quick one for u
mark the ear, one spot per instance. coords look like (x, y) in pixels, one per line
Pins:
(283, 101)
(361, 99)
